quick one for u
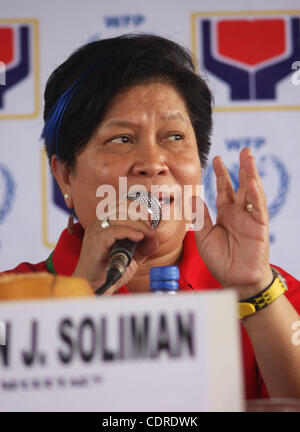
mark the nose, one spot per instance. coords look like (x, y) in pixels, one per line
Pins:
(150, 161)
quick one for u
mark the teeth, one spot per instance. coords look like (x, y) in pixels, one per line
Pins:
(164, 200)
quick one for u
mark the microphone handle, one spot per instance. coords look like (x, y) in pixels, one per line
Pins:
(125, 246)
(121, 254)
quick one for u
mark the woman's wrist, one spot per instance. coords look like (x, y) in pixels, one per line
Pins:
(256, 288)
(248, 306)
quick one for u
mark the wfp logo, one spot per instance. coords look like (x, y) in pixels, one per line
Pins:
(115, 21)
(7, 192)
(249, 57)
(271, 169)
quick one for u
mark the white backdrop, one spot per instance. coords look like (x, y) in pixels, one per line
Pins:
(246, 49)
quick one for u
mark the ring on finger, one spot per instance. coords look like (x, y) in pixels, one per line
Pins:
(249, 207)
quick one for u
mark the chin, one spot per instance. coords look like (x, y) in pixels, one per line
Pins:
(171, 231)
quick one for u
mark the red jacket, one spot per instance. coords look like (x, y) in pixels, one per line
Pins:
(194, 275)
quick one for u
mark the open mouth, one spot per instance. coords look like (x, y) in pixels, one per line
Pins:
(165, 199)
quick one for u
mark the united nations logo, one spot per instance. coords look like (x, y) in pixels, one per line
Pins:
(7, 192)
(273, 174)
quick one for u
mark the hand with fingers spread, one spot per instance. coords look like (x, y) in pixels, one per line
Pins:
(236, 248)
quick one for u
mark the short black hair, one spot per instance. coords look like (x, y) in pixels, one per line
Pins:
(79, 90)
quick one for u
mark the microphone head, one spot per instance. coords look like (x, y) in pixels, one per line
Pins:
(152, 203)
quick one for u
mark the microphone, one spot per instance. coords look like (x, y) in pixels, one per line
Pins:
(122, 251)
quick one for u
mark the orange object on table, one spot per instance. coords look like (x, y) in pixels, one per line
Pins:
(42, 285)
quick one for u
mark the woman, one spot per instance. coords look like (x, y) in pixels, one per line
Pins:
(133, 107)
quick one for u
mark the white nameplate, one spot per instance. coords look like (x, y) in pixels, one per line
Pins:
(126, 353)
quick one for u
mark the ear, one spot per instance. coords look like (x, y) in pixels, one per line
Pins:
(62, 175)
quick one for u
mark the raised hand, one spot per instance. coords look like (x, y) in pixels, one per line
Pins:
(236, 248)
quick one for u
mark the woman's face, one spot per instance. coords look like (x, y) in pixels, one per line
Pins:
(146, 135)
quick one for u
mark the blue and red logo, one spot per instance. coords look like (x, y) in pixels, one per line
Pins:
(16, 64)
(19, 63)
(249, 57)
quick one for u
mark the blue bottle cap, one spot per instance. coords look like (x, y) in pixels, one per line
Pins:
(164, 273)
(164, 278)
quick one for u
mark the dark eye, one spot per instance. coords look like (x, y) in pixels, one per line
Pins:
(123, 139)
(177, 137)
